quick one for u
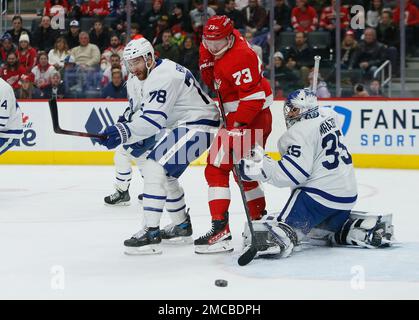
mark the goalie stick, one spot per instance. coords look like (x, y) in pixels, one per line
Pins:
(248, 255)
(53, 107)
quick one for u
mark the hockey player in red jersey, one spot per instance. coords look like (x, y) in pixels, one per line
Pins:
(229, 65)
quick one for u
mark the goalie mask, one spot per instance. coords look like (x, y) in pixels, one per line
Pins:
(137, 56)
(300, 104)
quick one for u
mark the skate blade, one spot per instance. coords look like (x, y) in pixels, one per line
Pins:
(144, 250)
(178, 241)
(220, 247)
(120, 204)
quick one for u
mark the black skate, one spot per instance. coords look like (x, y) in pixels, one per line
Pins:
(119, 198)
(145, 241)
(178, 233)
(217, 239)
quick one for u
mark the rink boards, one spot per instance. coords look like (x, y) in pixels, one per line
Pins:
(380, 133)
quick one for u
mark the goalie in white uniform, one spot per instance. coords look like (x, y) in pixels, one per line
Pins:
(11, 124)
(172, 101)
(318, 167)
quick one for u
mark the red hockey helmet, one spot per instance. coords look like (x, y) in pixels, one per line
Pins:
(217, 34)
(218, 27)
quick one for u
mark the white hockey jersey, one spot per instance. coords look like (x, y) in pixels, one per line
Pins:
(135, 92)
(316, 160)
(171, 98)
(11, 124)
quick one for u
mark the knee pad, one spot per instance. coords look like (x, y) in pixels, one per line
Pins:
(154, 173)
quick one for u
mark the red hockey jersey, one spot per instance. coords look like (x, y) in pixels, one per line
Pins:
(238, 75)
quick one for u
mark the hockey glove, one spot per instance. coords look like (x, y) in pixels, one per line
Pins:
(126, 116)
(251, 167)
(115, 135)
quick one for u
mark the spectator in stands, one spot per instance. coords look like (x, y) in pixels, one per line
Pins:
(12, 72)
(255, 16)
(55, 89)
(17, 29)
(375, 89)
(321, 91)
(87, 55)
(369, 55)
(72, 83)
(57, 55)
(235, 15)
(301, 51)
(180, 19)
(189, 56)
(282, 16)
(96, 8)
(42, 71)
(360, 91)
(26, 88)
(374, 13)
(304, 17)
(58, 4)
(258, 49)
(44, 37)
(328, 20)
(387, 32)
(6, 48)
(115, 48)
(99, 36)
(286, 79)
(149, 21)
(72, 37)
(26, 54)
(162, 25)
(135, 31)
(115, 64)
(197, 18)
(349, 46)
(166, 49)
(116, 89)
(412, 24)
(303, 54)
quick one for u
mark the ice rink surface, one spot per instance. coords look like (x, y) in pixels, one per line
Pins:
(59, 241)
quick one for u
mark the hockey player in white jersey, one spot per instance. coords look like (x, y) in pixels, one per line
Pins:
(172, 100)
(318, 167)
(125, 154)
(11, 124)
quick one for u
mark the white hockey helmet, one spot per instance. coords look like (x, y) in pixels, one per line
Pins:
(305, 101)
(139, 48)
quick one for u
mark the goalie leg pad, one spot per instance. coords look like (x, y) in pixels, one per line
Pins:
(367, 230)
(272, 237)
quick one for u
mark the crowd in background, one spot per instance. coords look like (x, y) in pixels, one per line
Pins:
(87, 62)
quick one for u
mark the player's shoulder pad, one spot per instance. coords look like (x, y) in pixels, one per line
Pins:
(162, 76)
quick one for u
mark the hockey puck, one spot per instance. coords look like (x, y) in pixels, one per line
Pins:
(221, 283)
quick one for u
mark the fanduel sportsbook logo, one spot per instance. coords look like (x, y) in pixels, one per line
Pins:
(98, 120)
(347, 117)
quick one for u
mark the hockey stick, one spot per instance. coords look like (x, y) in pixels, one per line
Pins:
(56, 126)
(247, 256)
(316, 72)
